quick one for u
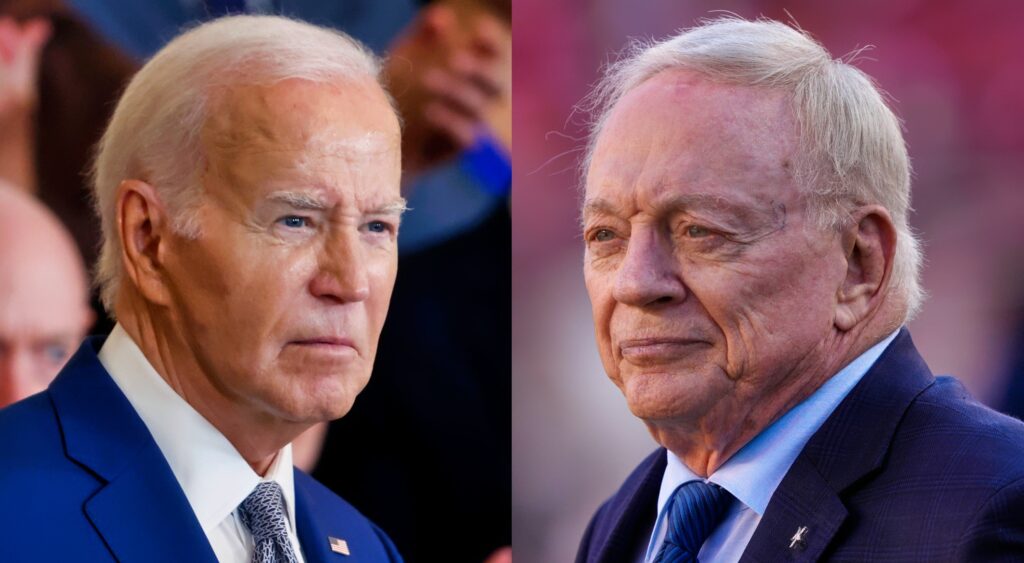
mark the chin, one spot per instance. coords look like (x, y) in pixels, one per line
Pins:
(669, 397)
(337, 409)
(661, 409)
(320, 399)
(315, 413)
(332, 403)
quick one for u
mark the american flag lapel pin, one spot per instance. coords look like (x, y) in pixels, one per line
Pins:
(339, 545)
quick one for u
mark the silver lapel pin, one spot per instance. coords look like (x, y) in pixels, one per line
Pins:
(798, 541)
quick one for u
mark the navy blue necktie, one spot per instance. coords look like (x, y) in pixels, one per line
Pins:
(263, 513)
(696, 509)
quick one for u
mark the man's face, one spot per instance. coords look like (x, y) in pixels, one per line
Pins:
(708, 286)
(283, 295)
(44, 309)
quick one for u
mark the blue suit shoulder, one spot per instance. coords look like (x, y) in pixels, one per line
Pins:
(621, 518)
(25, 425)
(946, 420)
(41, 487)
(33, 459)
(321, 514)
(964, 465)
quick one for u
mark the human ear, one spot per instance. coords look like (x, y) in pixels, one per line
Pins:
(143, 225)
(869, 245)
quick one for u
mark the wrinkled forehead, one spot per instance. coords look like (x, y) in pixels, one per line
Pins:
(43, 286)
(680, 129)
(352, 117)
(338, 137)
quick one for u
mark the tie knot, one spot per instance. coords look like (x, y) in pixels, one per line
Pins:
(696, 509)
(263, 512)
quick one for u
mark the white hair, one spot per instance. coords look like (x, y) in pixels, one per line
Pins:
(154, 133)
(851, 148)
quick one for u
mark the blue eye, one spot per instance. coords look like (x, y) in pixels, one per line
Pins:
(294, 221)
(55, 353)
(696, 231)
(377, 227)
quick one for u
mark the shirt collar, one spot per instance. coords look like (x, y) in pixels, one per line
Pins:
(211, 472)
(754, 472)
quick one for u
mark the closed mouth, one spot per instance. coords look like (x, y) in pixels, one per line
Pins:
(647, 350)
(325, 342)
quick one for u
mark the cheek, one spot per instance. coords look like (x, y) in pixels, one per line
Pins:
(382, 284)
(241, 288)
(200, 287)
(382, 273)
(805, 292)
(771, 310)
(597, 290)
(603, 307)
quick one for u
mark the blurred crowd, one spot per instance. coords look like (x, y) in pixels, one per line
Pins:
(954, 77)
(443, 360)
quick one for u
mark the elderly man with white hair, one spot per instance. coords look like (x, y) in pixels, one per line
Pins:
(751, 268)
(248, 188)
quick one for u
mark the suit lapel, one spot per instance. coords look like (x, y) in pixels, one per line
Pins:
(632, 511)
(312, 538)
(140, 510)
(315, 526)
(851, 445)
(143, 515)
(804, 502)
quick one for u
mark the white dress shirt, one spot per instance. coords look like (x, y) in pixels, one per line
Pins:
(754, 472)
(214, 476)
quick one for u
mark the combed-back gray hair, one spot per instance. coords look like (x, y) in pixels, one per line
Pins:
(851, 149)
(154, 134)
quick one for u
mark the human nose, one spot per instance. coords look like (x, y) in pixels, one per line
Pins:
(17, 376)
(649, 273)
(342, 273)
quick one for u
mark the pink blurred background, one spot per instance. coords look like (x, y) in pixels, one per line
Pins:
(954, 71)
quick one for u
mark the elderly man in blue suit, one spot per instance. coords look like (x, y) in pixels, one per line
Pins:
(750, 266)
(248, 186)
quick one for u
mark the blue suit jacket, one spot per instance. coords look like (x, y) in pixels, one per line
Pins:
(907, 468)
(81, 479)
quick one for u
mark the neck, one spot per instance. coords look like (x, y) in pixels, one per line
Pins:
(255, 434)
(704, 444)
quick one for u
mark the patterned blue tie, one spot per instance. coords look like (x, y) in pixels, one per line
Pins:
(697, 507)
(263, 513)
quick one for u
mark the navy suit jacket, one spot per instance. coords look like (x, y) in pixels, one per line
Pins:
(81, 479)
(907, 468)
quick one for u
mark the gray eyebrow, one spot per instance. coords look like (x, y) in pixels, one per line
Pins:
(675, 203)
(768, 218)
(396, 207)
(597, 205)
(302, 200)
(298, 200)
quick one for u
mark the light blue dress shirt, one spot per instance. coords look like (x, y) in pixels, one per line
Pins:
(754, 472)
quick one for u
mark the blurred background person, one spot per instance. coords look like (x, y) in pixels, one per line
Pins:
(44, 305)
(442, 378)
(61, 114)
(951, 68)
(449, 69)
(20, 45)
